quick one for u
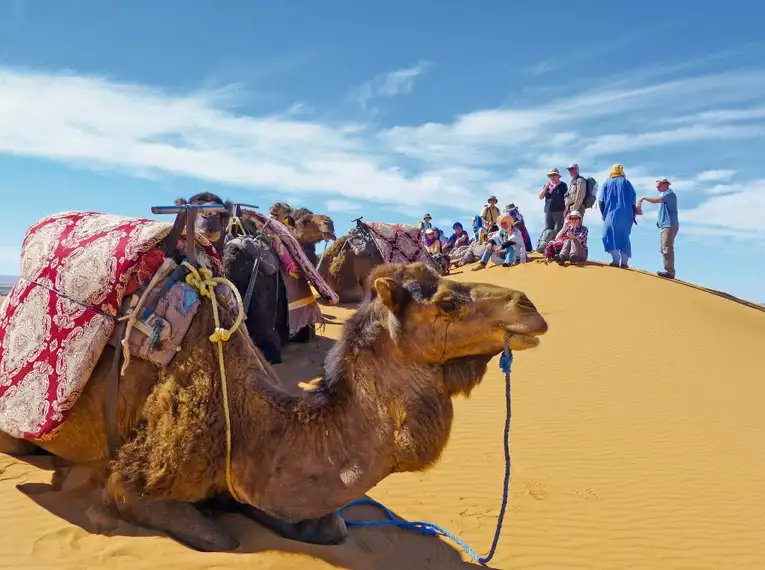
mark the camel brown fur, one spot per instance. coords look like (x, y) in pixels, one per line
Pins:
(382, 406)
(211, 225)
(346, 271)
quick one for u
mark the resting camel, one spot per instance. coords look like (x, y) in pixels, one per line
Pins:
(382, 406)
(267, 314)
(347, 265)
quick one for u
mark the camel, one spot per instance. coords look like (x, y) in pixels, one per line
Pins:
(383, 406)
(307, 228)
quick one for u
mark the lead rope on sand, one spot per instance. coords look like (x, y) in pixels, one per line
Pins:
(428, 528)
(203, 281)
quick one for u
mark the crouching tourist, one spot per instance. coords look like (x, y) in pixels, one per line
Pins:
(573, 240)
(507, 244)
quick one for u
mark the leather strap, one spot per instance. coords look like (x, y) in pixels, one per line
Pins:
(111, 403)
(251, 286)
(171, 242)
(191, 251)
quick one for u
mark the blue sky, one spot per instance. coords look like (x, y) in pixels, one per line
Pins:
(389, 109)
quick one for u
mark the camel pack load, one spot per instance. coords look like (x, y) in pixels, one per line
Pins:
(80, 272)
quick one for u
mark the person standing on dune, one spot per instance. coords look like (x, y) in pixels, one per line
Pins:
(667, 223)
(617, 205)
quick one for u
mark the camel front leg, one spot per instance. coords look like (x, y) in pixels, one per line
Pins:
(182, 521)
(327, 530)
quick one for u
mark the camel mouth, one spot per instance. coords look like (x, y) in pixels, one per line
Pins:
(523, 341)
(329, 236)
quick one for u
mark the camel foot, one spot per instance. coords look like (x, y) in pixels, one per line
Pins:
(327, 530)
(181, 521)
(14, 446)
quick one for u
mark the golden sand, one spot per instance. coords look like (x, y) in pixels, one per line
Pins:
(635, 444)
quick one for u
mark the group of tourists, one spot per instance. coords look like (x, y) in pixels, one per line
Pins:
(502, 236)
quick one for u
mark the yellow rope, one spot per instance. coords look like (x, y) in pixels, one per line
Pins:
(203, 281)
(235, 221)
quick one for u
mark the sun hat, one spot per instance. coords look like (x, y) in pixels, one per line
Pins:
(430, 231)
(663, 180)
(427, 216)
(511, 206)
(553, 171)
(492, 198)
(575, 214)
(573, 165)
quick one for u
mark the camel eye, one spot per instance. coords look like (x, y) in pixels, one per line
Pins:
(448, 305)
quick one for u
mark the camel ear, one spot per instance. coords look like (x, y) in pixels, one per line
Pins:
(387, 292)
(180, 202)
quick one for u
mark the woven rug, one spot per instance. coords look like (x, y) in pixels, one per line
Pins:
(399, 243)
(76, 269)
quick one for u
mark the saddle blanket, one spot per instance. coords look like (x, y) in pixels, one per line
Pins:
(76, 270)
(399, 243)
(290, 253)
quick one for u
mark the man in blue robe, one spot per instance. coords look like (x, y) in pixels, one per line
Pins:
(617, 205)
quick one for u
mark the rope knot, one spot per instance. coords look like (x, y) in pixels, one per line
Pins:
(220, 335)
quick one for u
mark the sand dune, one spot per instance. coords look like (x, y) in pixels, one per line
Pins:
(635, 444)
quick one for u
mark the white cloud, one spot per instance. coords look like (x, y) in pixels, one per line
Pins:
(334, 206)
(715, 175)
(100, 124)
(389, 84)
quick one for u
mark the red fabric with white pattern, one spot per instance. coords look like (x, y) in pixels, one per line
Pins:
(76, 269)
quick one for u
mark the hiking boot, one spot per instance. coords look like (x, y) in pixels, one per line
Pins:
(624, 266)
(614, 264)
(560, 259)
(506, 264)
(479, 267)
(665, 274)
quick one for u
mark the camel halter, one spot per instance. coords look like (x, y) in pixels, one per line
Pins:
(203, 281)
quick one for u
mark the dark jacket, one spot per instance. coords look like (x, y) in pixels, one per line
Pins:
(555, 201)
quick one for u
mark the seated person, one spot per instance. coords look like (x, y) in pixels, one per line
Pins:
(507, 243)
(458, 239)
(477, 225)
(432, 241)
(574, 238)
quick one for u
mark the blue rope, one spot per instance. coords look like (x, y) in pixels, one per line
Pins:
(431, 529)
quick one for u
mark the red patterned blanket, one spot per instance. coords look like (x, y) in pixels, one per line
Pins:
(76, 269)
(399, 243)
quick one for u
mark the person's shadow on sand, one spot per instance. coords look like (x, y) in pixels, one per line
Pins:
(72, 497)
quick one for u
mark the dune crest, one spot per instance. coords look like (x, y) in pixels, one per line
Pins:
(636, 442)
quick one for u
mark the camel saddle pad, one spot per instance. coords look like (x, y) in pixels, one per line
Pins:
(399, 243)
(290, 253)
(76, 269)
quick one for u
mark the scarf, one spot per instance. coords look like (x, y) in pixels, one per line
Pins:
(617, 170)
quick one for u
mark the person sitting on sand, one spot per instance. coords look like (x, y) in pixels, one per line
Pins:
(513, 209)
(432, 241)
(458, 238)
(477, 225)
(574, 240)
(507, 243)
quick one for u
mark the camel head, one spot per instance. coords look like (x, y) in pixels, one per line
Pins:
(312, 228)
(211, 225)
(282, 212)
(434, 320)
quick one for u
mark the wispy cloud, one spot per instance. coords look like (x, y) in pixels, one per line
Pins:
(92, 122)
(390, 84)
(715, 175)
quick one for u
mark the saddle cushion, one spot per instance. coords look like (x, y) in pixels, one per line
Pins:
(76, 269)
(399, 243)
